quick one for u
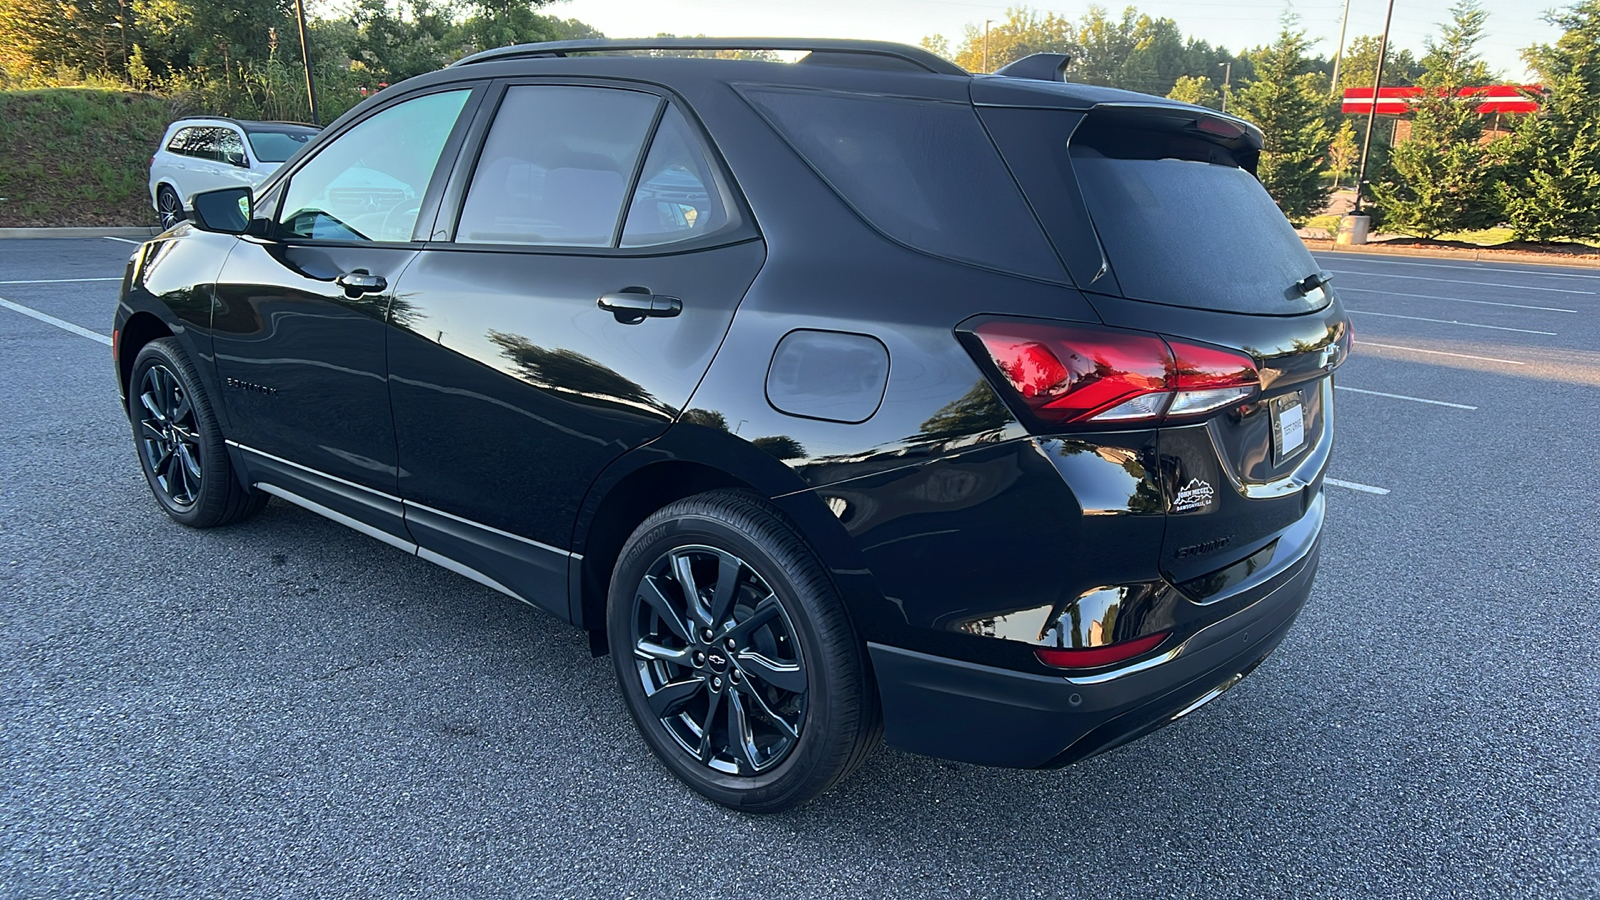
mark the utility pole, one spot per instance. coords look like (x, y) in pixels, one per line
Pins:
(305, 55)
(1372, 114)
(986, 45)
(1339, 53)
(1227, 80)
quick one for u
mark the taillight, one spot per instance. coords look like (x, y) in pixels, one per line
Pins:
(1087, 375)
(1089, 657)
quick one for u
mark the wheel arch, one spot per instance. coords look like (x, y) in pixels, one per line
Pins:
(140, 329)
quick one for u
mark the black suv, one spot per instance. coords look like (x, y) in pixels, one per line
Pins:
(851, 397)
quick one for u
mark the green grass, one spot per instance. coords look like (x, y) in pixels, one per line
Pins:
(78, 156)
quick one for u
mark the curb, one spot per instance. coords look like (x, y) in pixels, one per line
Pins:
(131, 231)
(1508, 256)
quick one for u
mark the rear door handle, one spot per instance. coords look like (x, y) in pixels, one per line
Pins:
(358, 282)
(633, 305)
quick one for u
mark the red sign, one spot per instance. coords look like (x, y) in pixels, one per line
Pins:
(1396, 101)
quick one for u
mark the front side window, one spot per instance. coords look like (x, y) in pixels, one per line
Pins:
(556, 166)
(368, 184)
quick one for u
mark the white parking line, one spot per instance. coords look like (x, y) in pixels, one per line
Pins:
(1466, 265)
(1356, 390)
(1509, 362)
(1354, 486)
(123, 240)
(59, 280)
(52, 320)
(1368, 312)
(1456, 300)
(1520, 287)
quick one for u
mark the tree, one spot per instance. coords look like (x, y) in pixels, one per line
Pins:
(1360, 63)
(1443, 178)
(1342, 152)
(41, 36)
(1556, 152)
(1291, 106)
(1197, 90)
(1023, 33)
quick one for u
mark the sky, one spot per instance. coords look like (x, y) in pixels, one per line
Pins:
(1235, 25)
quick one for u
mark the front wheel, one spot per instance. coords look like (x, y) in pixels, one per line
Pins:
(180, 443)
(735, 655)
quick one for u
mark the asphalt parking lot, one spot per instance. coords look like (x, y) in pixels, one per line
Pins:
(288, 708)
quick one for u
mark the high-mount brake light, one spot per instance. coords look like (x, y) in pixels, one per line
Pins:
(1089, 657)
(1085, 375)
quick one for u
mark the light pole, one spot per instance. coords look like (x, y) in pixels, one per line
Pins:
(986, 45)
(1227, 80)
(305, 54)
(1372, 114)
(1339, 53)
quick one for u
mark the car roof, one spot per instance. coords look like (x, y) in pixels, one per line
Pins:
(242, 123)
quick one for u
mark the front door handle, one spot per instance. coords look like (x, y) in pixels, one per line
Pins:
(358, 282)
(633, 305)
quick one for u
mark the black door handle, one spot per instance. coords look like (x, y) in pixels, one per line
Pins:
(358, 282)
(633, 305)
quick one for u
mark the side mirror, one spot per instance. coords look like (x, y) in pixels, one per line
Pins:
(237, 158)
(226, 210)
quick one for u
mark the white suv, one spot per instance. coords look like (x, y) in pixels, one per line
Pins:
(201, 154)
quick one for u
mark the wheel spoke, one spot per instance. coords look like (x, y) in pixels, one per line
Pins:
(148, 399)
(712, 708)
(783, 725)
(740, 740)
(191, 463)
(784, 676)
(652, 650)
(683, 571)
(670, 698)
(650, 592)
(161, 463)
(149, 432)
(184, 408)
(722, 596)
(765, 612)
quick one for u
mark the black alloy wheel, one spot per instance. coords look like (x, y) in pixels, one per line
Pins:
(169, 439)
(718, 660)
(179, 442)
(169, 207)
(735, 655)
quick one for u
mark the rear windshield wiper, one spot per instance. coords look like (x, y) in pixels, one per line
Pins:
(1306, 285)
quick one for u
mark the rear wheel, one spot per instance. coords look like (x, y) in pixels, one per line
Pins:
(168, 206)
(179, 442)
(735, 655)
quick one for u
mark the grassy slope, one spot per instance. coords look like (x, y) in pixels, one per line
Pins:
(78, 156)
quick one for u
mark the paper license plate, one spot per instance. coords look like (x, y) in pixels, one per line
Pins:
(1288, 426)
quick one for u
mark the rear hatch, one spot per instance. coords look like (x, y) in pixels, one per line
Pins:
(1157, 214)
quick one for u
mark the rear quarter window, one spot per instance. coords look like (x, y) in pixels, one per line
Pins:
(922, 172)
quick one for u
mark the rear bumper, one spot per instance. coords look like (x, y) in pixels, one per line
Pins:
(963, 711)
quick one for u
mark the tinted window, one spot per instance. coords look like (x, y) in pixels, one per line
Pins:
(677, 197)
(277, 146)
(201, 142)
(367, 185)
(556, 166)
(180, 140)
(922, 172)
(230, 147)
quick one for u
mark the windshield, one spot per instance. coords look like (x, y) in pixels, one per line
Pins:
(277, 146)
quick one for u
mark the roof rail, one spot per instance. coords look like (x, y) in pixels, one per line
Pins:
(1040, 66)
(914, 55)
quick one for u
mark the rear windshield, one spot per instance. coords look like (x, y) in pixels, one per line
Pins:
(277, 146)
(922, 172)
(1179, 221)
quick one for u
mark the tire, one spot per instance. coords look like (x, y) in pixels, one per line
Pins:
(794, 681)
(179, 442)
(169, 207)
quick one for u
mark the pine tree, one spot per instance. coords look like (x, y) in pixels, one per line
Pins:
(1195, 89)
(1555, 154)
(1443, 178)
(1290, 104)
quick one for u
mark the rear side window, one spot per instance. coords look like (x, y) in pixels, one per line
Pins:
(677, 198)
(922, 172)
(556, 166)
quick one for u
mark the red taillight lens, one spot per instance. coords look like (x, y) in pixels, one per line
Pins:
(1088, 658)
(1079, 374)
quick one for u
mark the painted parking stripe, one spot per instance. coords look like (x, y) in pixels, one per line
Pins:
(52, 320)
(1356, 390)
(1455, 300)
(1520, 287)
(1465, 265)
(1354, 486)
(123, 240)
(59, 280)
(1368, 312)
(1509, 362)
